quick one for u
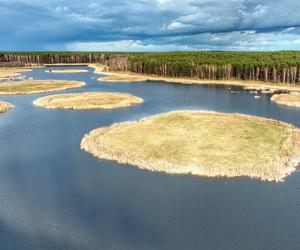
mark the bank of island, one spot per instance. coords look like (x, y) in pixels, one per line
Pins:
(291, 99)
(201, 143)
(72, 71)
(88, 100)
(5, 106)
(37, 86)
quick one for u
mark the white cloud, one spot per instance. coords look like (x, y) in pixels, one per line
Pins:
(178, 26)
(124, 45)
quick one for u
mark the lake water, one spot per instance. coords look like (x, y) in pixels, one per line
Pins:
(55, 196)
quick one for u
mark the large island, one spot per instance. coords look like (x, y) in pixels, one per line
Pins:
(201, 143)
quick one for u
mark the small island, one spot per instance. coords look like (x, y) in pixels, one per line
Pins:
(201, 143)
(7, 73)
(37, 86)
(88, 100)
(67, 71)
(5, 106)
(292, 99)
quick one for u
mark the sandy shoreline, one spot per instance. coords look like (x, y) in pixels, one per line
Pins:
(88, 100)
(249, 85)
(172, 143)
(37, 86)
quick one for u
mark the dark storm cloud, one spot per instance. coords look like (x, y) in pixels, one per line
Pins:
(149, 25)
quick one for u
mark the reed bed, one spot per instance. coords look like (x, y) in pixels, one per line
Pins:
(37, 86)
(65, 71)
(201, 143)
(7, 73)
(88, 100)
(292, 99)
(5, 106)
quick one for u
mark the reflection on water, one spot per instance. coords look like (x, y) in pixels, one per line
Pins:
(55, 196)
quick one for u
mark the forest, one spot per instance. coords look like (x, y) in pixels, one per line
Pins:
(277, 67)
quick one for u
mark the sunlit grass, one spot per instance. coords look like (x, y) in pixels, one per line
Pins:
(88, 100)
(5, 106)
(37, 86)
(201, 143)
(10, 72)
(292, 99)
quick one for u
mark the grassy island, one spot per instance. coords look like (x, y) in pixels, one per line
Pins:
(37, 86)
(201, 143)
(67, 71)
(292, 99)
(5, 106)
(88, 100)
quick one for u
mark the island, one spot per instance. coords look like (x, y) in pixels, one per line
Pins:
(201, 143)
(88, 100)
(5, 106)
(37, 86)
(67, 71)
(7, 73)
(291, 99)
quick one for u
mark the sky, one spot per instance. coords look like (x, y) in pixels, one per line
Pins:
(145, 25)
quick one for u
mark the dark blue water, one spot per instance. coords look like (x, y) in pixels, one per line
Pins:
(55, 196)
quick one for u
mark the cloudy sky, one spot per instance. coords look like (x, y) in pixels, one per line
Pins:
(149, 25)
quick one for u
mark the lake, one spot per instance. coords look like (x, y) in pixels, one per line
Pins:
(55, 196)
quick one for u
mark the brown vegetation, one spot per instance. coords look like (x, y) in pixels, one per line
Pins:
(5, 106)
(201, 143)
(88, 100)
(37, 86)
(7, 73)
(67, 71)
(292, 99)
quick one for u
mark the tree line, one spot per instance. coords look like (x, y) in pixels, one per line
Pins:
(278, 67)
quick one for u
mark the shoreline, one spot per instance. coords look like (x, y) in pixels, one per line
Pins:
(99, 143)
(268, 88)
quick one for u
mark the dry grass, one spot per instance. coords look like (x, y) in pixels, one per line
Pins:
(37, 86)
(67, 71)
(7, 73)
(88, 100)
(132, 77)
(201, 143)
(292, 99)
(5, 106)
(122, 78)
(65, 64)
